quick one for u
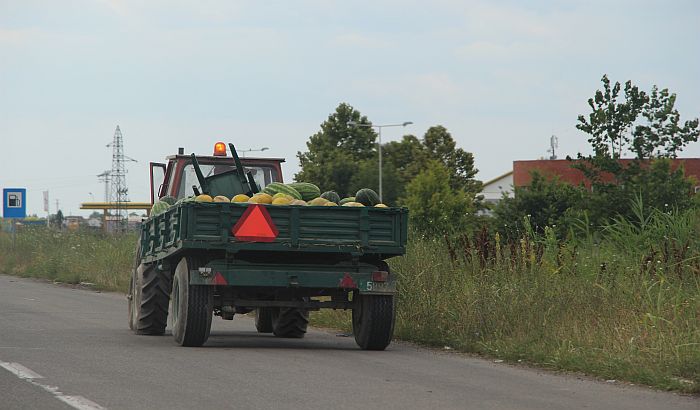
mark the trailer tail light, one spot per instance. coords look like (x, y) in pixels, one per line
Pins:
(380, 276)
(219, 149)
(347, 282)
(219, 279)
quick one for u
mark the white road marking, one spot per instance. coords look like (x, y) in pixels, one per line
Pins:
(20, 371)
(80, 403)
(24, 373)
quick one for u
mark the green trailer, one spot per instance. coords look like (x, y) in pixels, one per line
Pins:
(199, 259)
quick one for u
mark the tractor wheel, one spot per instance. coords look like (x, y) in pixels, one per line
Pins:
(263, 319)
(134, 298)
(148, 301)
(134, 295)
(290, 322)
(190, 307)
(373, 321)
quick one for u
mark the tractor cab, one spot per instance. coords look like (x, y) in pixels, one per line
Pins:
(186, 175)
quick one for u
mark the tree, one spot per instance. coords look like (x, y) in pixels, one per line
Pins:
(56, 220)
(646, 124)
(440, 146)
(613, 127)
(662, 135)
(366, 176)
(437, 208)
(333, 152)
(545, 202)
(411, 156)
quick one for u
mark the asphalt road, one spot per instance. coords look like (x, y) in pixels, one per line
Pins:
(64, 348)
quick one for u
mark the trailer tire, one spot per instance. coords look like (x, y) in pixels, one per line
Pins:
(373, 321)
(290, 322)
(263, 319)
(150, 294)
(190, 308)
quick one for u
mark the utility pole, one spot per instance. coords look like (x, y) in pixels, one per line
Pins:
(120, 192)
(104, 177)
(379, 143)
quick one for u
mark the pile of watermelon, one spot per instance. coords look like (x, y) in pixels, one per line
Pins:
(276, 193)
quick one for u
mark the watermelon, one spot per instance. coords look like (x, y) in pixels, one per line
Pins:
(168, 199)
(307, 190)
(346, 200)
(331, 196)
(185, 199)
(159, 207)
(277, 188)
(367, 197)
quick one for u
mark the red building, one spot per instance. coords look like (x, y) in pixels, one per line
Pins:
(562, 169)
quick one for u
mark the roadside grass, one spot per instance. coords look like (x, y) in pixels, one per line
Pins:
(623, 304)
(69, 257)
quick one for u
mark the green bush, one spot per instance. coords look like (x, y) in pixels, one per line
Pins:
(435, 207)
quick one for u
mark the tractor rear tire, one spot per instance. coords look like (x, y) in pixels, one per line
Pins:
(132, 297)
(290, 322)
(263, 319)
(373, 321)
(191, 307)
(148, 300)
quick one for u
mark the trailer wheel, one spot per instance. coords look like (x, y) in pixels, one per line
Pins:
(148, 300)
(263, 319)
(373, 321)
(290, 322)
(190, 308)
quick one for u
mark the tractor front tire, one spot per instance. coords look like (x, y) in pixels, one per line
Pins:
(263, 319)
(290, 322)
(190, 308)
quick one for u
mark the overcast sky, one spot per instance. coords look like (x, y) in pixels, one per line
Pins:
(501, 76)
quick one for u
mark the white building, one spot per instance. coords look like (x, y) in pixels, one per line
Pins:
(494, 189)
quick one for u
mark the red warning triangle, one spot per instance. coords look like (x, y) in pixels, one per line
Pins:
(255, 225)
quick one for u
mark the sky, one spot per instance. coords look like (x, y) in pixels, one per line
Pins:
(501, 76)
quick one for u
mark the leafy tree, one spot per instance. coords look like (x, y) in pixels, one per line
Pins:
(333, 152)
(662, 187)
(411, 156)
(366, 176)
(436, 207)
(440, 146)
(545, 202)
(662, 135)
(344, 158)
(56, 220)
(646, 124)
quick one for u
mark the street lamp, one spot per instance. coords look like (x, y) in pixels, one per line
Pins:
(379, 146)
(243, 151)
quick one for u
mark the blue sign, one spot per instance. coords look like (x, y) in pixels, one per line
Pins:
(14, 202)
